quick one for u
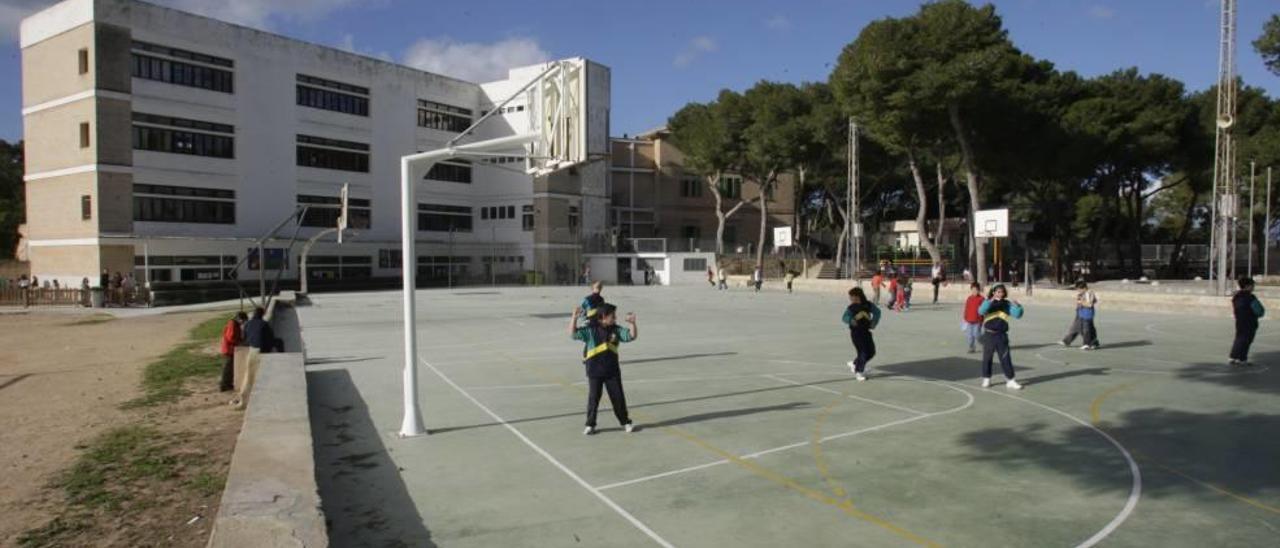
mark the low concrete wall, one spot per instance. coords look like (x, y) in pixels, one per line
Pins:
(1162, 303)
(271, 498)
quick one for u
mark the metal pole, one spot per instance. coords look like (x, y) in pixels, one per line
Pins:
(1266, 231)
(306, 253)
(1253, 167)
(449, 275)
(493, 258)
(262, 275)
(412, 423)
(855, 236)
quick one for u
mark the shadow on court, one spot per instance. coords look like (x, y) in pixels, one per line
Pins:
(1262, 378)
(729, 414)
(1227, 450)
(681, 357)
(341, 359)
(361, 492)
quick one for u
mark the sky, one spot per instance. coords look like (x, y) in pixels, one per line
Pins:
(666, 53)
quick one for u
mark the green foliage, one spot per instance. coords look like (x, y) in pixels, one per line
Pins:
(163, 380)
(1268, 44)
(12, 197)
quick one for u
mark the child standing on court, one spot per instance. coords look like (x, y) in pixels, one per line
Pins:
(600, 359)
(877, 281)
(591, 303)
(1086, 309)
(972, 321)
(893, 293)
(1247, 309)
(861, 316)
(996, 313)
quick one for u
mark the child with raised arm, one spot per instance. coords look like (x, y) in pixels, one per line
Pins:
(1247, 309)
(592, 301)
(996, 313)
(600, 359)
(861, 316)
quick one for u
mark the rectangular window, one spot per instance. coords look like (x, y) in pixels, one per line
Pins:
(389, 258)
(690, 231)
(170, 65)
(323, 211)
(277, 258)
(444, 218)
(176, 204)
(335, 154)
(573, 218)
(691, 187)
(527, 221)
(86, 207)
(182, 136)
(83, 57)
(511, 212)
(452, 171)
(433, 115)
(339, 267)
(731, 187)
(84, 134)
(484, 214)
(335, 96)
(695, 265)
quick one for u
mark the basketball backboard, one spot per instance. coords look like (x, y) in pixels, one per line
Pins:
(561, 113)
(991, 223)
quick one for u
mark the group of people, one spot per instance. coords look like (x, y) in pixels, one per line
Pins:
(601, 336)
(241, 330)
(757, 278)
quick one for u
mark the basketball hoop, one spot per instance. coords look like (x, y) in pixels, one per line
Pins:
(558, 116)
(342, 213)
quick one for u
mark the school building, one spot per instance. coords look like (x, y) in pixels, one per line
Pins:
(166, 143)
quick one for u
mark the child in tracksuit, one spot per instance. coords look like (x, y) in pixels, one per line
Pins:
(972, 322)
(601, 337)
(1247, 310)
(996, 313)
(861, 316)
(1082, 324)
(592, 302)
(893, 293)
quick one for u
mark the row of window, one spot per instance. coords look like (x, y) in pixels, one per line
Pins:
(329, 158)
(323, 211)
(172, 204)
(332, 100)
(183, 142)
(453, 171)
(444, 218)
(433, 115)
(498, 212)
(183, 74)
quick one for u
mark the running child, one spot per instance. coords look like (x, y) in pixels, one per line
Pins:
(600, 360)
(861, 316)
(1082, 324)
(996, 312)
(972, 320)
(877, 281)
(592, 302)
(1247, 309)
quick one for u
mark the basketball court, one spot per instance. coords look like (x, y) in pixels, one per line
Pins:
(753, 432)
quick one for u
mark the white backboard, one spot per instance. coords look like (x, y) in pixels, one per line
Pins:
(782, 236)
(560, 116)
(991, 223)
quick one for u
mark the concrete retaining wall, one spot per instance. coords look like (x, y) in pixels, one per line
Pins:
(271, 497)
(1162, 303)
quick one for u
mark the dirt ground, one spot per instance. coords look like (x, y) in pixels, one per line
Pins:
(62, 380)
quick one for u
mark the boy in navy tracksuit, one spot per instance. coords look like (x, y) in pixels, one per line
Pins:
(996, 313)
(593, 301)
(1247, 310)
(861, 316)
(601, 336)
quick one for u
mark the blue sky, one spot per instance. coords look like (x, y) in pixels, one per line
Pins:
(665, 53)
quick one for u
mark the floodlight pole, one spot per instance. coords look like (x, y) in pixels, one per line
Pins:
(1253, 169)
(1266, 231)
(410, 167)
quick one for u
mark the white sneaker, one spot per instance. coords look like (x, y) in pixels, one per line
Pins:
(1062, 343)
(1234, 361)
(629, 428)
(860, 377)
(590, 430)
(1086, 347)
(852, 367)
(1013, 385)
(986, 382)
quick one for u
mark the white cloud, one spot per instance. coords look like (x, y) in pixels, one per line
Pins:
(695, 49)
(348, 43)
(778, 22)
(474, 61)
(262, 13)
(12, 12)
(1101, 12)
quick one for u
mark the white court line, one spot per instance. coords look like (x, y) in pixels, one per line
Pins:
(758, 454)
(626, 381)
(1135, 489)
(568, 472)
(850, 396)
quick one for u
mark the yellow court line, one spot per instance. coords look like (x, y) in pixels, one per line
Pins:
(820, 459)
(1095, 411)
(844, 505)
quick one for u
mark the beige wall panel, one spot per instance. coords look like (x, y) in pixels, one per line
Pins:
(51, 69)
(53, 207)
(53, 137)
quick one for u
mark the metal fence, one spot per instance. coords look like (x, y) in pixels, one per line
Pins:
(16, 296)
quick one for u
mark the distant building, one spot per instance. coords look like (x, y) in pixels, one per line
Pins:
(166, 143)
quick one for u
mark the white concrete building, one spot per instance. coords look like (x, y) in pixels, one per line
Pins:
(167, 142)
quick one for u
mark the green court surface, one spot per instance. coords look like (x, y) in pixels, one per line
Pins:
(754, 433)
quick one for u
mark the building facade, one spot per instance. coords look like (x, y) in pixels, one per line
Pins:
(653, 195)
(167, 143)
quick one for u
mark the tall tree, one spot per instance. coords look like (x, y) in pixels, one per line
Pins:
(12, 197)
(1268, 44)
(710, 136)
(776, 141)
